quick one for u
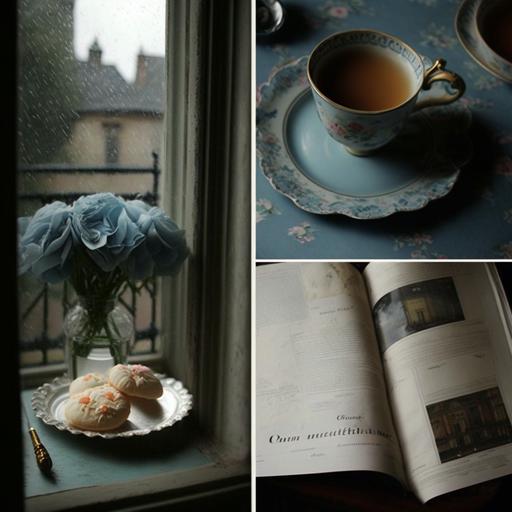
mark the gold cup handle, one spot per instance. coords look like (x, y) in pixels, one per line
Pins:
(435, 73)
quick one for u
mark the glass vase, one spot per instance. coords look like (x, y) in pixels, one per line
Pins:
(99, 333)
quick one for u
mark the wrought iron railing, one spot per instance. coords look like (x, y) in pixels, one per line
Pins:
(43, 342)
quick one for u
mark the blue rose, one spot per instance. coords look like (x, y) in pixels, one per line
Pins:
(101, 223)
(135, 208)
(164, 249)
(45, 243)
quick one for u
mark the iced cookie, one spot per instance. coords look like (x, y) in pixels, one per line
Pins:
(135, 380)
(89, 380)
(99, 408)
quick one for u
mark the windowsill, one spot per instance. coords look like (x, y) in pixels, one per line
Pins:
(90, 471)
(34, 376)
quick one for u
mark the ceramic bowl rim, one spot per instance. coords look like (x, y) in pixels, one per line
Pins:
(479, 32)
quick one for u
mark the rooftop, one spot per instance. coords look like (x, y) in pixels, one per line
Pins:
(103, 89)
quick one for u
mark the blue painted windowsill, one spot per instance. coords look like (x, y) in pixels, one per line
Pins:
(80, 461)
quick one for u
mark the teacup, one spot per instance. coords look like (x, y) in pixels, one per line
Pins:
(493, 22)
(366, 83)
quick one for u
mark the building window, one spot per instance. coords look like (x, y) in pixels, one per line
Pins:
(111, 143)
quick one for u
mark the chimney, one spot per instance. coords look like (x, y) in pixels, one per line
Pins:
(66, 8)
(142, 69)
(95, 53)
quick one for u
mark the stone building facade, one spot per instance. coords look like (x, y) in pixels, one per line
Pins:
(117, 122)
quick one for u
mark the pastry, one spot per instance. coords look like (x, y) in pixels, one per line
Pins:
(135, 380)
(89, 380)
(99, 408)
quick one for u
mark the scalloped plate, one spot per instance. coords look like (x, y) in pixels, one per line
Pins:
(303, 163)
(146, 416)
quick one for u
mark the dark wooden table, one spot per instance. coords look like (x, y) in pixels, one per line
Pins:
(371, 492)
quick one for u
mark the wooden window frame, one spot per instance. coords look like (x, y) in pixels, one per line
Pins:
(208, 160)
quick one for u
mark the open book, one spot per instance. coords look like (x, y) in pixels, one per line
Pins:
(405, 369)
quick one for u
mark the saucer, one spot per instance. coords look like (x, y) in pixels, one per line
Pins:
(303, 163)
(465, 28)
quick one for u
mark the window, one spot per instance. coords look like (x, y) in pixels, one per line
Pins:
(204, 183)
(91, 107)
(111, 143)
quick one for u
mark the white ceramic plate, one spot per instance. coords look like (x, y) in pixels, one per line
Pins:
(146, 416)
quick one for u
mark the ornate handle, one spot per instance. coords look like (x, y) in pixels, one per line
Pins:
(435, 73)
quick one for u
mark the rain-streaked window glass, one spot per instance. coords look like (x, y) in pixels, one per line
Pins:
(90, 115)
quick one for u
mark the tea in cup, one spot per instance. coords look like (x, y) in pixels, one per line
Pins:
(366, 83)
(494, 28)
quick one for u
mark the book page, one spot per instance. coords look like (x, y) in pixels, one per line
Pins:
(447, 358)
(321, 403)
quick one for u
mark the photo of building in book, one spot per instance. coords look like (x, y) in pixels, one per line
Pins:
(414, 308)
(469, 423)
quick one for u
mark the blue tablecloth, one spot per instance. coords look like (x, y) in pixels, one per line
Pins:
(473, 221)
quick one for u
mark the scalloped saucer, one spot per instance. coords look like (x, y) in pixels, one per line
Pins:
(146, 416)
(302, 162)
(465, 28)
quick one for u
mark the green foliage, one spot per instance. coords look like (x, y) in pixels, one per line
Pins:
(47, 94)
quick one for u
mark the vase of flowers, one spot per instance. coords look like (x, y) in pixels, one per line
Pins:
(102, 244)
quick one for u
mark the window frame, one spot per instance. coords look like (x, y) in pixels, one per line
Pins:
(206, 340)
(208, 146)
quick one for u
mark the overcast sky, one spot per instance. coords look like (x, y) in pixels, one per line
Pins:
(122, 27)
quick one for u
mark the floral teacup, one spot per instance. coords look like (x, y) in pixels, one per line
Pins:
(360, 131)
(485, 11)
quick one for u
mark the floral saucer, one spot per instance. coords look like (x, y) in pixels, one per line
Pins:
(471, 40)
(302, 162)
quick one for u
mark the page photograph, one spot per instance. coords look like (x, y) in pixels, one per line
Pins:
(469, 424)
(416, 307)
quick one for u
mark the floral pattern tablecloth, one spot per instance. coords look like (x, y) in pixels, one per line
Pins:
(473, 221)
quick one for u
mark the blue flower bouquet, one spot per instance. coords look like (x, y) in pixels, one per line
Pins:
(101, 244)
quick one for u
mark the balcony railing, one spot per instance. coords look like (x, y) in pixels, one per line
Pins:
(37, 310)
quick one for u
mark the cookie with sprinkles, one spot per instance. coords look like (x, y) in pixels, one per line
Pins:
(99, 408)
(135, 380)
(89, 380)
